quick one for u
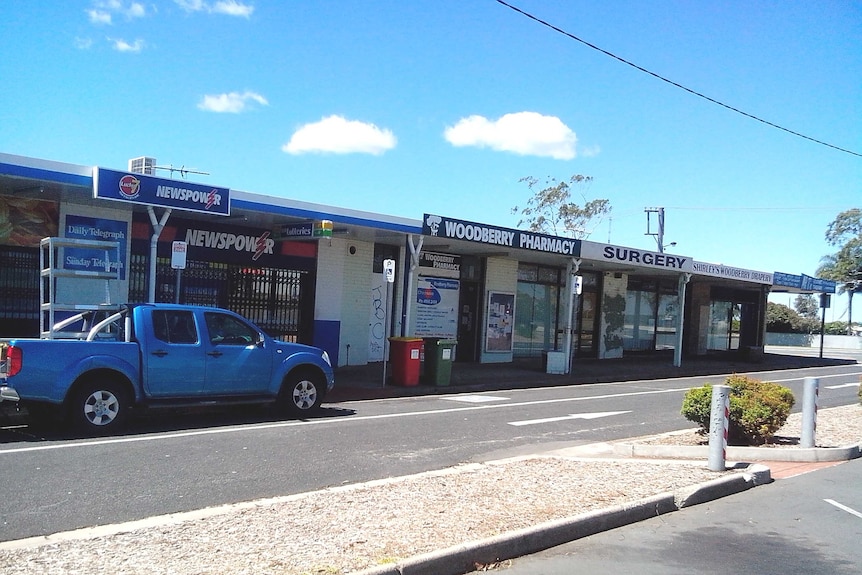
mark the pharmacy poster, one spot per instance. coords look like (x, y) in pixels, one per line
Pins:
(437, 307)
(501, 315)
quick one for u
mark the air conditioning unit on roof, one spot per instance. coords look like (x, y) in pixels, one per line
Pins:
(143, 165)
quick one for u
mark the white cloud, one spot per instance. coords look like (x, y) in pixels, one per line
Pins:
(338, 135)
(102, 12)
(232, 103)
(523, 133)
(83, 43)
(99, 17)
(121, 45)
(233, 8)
(227, 7)
(589, 151)
(136, 10)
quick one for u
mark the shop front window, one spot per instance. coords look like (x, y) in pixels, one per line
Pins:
(724, 326)
(651, 317)
(537, 309)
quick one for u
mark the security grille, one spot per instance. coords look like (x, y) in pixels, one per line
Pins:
(19, 291)
(272, 298)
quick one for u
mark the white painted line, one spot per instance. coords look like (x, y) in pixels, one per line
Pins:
(850, 374)
(475, 398)
(330, 421)
(843, 508)
(840, 386)
(565, 417)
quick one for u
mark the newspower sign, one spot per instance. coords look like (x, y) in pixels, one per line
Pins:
(153, 191)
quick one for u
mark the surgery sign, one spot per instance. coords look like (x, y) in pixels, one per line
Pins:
(153, 191)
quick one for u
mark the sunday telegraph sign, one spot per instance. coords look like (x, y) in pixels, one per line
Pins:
(441, 227)
(153, 191)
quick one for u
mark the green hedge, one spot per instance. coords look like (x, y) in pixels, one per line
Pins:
(757, 409)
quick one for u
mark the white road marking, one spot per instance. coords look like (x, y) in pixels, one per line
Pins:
(331, 421)
(840, 386)
(565, 417)
(475, 398)
(843, 508)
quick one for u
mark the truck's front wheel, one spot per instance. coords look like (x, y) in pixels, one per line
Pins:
(99, 407)
(301, 393)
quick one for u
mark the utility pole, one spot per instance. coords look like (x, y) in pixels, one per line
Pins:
(659, 236)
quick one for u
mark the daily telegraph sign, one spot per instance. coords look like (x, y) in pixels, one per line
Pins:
(441, 227)
(153, 191)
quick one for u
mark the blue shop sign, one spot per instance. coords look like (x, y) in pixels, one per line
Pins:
(162, 192)
(803, 282)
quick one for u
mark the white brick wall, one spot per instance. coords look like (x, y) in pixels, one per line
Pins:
(344, 294)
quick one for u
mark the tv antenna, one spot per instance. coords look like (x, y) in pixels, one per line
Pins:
(182, 170)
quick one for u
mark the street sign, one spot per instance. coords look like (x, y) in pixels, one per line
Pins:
(389, 270)
(178, 255)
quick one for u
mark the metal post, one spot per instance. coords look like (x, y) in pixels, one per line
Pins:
(822, 329)
(385, 333)
(719, 422)
(572, 269)
(680, 322)
(158, 226)
(810, 400)
(177, 288)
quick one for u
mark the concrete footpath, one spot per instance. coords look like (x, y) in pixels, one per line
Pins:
(367, 381)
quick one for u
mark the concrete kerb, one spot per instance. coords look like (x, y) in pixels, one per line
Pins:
(736, 453)
(464, 558)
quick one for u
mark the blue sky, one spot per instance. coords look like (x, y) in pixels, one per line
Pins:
(402, 107)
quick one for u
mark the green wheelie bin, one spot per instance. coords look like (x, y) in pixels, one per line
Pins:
(439, 354)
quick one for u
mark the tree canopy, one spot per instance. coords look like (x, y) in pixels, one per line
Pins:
(845, 266)
(551, 211)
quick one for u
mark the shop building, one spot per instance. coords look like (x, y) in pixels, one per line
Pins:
(315, 274)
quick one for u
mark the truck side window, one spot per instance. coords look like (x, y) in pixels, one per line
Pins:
(174, 326)
(226, 329)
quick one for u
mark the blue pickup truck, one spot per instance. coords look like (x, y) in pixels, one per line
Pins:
(158, 355)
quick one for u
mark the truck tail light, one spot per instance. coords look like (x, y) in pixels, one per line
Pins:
(14, 359)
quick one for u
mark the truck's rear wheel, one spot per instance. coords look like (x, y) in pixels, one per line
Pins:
(99, 407)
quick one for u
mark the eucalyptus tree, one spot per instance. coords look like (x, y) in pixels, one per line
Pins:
(845, 266)
(551, 210)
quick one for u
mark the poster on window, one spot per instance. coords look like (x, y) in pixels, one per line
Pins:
(437, 307)
(501, 313)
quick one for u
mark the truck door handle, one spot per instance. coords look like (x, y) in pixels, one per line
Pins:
(160, 353)
(214, 353)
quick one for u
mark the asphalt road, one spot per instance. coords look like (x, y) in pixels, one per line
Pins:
(801, 525)
(54, 483)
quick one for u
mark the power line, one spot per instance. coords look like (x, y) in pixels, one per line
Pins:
(754, 209)
(671, 82)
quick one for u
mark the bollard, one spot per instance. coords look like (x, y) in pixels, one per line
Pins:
(719, 422)
(810, 399)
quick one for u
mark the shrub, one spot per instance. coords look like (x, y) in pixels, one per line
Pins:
(757, 408)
